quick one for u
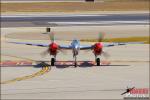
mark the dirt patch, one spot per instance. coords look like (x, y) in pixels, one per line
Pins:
(75, 7)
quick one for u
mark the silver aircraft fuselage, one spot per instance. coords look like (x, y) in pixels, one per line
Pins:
(75, 47)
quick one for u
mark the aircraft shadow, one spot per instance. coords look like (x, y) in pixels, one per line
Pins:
(65, 64)
(85, 64)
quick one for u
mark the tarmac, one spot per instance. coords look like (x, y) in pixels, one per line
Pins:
(56, 20)
(127, 66)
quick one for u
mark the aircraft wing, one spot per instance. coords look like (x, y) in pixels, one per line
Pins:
(33, 44)
(81, 47)
(42, 45)
(105, 44)
(65, 47)
(86, 47)
(120, 43)
(113, 44)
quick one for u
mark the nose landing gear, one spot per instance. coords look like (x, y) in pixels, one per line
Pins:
(75, 62)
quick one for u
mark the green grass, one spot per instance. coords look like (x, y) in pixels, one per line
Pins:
(145, 39)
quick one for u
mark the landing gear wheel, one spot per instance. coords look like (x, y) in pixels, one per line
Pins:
(52, 61)
(75, 64)
(98, 61)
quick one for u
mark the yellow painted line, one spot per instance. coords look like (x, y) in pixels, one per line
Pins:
(41, 72)
(44, 70)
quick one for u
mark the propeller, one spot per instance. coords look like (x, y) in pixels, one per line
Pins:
(52, 39)
(101, 36)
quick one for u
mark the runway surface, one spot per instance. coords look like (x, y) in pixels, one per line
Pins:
(34, 20)
(128, 66)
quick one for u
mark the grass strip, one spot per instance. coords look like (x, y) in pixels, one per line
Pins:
(145, 39)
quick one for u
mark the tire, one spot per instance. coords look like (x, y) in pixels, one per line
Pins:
(52, 61)
(98, 61)
(75, 65)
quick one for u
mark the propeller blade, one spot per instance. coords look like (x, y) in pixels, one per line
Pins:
(105, 54)
(44, 53)
(63, 51)
(51, 34)
(101, 37)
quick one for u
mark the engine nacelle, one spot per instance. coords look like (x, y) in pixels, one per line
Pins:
(53, 49)
(97, 50)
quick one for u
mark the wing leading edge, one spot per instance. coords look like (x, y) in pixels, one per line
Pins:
(33, 44)
(81, 46)
(42, 45)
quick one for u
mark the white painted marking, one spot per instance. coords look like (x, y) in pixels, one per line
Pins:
(100, 22)
(59, 15)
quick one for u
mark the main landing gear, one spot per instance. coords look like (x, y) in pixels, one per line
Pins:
(53, 61)
(75, 64)
(98, 61)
